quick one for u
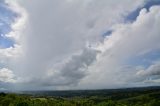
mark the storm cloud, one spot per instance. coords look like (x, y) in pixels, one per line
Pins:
(63, 44)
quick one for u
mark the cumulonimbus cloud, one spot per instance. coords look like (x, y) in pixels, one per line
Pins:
(52, 48)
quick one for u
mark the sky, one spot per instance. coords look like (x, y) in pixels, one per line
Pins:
(79, 44)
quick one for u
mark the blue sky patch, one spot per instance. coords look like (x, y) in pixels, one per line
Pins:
(144, 60)
(6, 42)
(107, 33)
(7, 17)
(133, 15)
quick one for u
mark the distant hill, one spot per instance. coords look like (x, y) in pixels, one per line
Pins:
(100, 92)
(144, 96)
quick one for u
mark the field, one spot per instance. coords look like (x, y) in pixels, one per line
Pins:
(147, 96)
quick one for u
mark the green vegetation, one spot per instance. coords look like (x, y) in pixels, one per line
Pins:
(115, 98)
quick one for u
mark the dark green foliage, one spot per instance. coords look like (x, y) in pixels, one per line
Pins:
(155, 103)
(116, 98)
(2, 94)
(22, 104)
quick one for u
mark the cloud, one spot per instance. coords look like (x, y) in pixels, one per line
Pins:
(75, 68)
(66, 73)
(10, 52)
(152, 70)
(7, 76)
(12, 16)
(15, 17)
(59, 33)
(149, 75)
(127, 41)
(18, 25)
(63, 43)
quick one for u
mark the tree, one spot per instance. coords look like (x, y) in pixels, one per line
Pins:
(22, 104)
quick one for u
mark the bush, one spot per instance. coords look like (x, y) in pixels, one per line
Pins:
(22, 104)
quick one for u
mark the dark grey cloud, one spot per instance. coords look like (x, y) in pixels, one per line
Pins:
(70, 71)
(76, 67)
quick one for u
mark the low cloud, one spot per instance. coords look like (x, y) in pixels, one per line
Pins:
(152, 70)
(68, 72)
(75, 68)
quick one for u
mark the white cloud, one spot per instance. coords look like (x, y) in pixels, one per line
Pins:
(19, 25)
(63, 30)
(11, 52)
(10, 55)
(15, 51)
(126, 42)
(57, 30)
(154, 69)
(7, 76)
